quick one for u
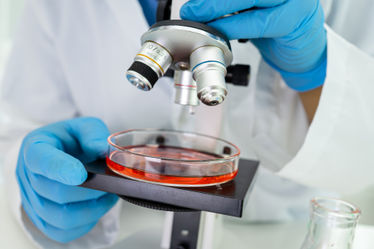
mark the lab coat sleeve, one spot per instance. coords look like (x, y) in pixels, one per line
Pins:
(338, 150)
(34, 93)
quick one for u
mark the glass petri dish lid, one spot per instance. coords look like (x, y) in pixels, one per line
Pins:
(173, 158)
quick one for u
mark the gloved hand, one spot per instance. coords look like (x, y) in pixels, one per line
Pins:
(289, 33)
(50, 165)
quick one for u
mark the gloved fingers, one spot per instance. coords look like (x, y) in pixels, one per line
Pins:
(25, 187)
(205, 11)
(65, 216)
(60, 193)
(39, 223)
(84, 138)
(65, 236)
(52, 232)
(76, 214)
(260, 23)
(44, 159)
(92, 135)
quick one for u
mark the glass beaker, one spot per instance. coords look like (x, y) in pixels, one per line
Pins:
(173, 158)
(332, 224)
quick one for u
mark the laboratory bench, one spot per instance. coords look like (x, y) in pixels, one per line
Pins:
(235, 233)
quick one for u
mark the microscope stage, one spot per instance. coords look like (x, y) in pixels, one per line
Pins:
(227, 198)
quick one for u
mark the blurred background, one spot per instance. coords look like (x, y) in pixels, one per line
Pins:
(9, 13)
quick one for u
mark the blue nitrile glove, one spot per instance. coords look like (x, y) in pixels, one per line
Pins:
(289, 33)
(149, 8)
(50, 165)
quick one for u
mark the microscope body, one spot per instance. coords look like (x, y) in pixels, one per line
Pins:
(198, 54)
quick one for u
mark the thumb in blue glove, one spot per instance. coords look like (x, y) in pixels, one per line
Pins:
(288, 33)
(49, 168)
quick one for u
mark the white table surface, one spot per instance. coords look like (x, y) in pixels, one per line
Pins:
(236, 234)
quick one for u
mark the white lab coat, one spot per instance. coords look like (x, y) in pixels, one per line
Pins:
(69, 60)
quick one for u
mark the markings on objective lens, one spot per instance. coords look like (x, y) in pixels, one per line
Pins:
(162, 70)
(207, 62)
(185, 85)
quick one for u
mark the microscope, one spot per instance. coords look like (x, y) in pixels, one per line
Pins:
(199, 59)
(198, 55)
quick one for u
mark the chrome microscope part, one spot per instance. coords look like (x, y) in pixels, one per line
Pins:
(185, 88)
(209, 70)
(198, 53)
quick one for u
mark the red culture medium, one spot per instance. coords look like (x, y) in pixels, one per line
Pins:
(147, 166)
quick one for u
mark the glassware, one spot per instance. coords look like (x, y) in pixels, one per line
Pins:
(172, 158)
(332, 224)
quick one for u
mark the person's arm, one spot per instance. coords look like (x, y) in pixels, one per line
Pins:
(310, 100)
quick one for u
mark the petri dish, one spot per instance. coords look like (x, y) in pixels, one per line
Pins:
(172, 158)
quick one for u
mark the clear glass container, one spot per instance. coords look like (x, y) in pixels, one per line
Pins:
(172, 158)
(332, 224)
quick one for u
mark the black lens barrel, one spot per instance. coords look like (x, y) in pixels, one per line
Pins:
(144, 70)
